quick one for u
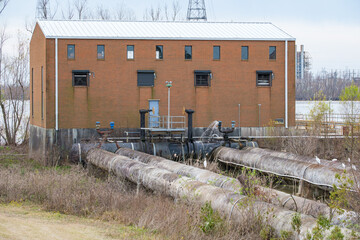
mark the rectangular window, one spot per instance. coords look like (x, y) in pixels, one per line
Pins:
(159, 52)
(32, 92)
(71, 51)
(130, 52)
(264, 78)
(202, 78)
(244, 53)
(80, 77)
(101, 52)
(188, 52)
(216, 52)
(272, 52)
(145, 78)
(42, 92)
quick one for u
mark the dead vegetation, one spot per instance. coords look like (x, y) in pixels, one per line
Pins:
(72, 190)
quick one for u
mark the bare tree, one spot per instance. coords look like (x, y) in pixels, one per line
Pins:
(103, 13)
(152, 14)
(44, 11)
(14, 76)
(69, 12)
(124, 13)
(176, 9)
(3, 4)
(81, 8)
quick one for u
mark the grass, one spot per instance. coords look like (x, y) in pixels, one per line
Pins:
(73, 190)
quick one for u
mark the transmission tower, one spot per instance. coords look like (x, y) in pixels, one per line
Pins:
(196, 10)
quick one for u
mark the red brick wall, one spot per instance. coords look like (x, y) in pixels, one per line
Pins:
(37, 60)
(113, 94)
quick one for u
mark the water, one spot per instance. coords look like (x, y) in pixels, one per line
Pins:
(337, 113)
(211, 132)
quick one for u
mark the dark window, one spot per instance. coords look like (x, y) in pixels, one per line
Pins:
(263, 78)
(202, 78)
(279, 121)
(32, 92)
(188, 52)
(216, 52)
(80, 77)
(130, 51)
(100, 52)
(71, 51)
(42, 92)
(145, 78)
(244, 53)
(272, 52)
(159, 52)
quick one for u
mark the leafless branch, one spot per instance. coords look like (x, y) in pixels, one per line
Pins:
(3, 4)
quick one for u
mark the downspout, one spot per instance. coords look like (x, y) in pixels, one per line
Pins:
(56, 87)
(286, 84)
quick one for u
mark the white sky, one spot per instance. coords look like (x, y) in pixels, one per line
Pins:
(329, 29)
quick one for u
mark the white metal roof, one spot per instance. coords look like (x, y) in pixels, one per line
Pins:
(264, 31)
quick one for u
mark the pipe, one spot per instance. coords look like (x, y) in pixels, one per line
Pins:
(143, 112)
(179, 187)
(274, 196)
(190, 125)
(251, 158)
(286, 84)
(56, 87)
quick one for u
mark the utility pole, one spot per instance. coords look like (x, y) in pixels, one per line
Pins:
(196, 10)
(168, 85)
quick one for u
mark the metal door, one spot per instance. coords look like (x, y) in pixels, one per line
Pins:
(154, 118)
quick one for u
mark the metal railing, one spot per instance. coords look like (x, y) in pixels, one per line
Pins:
(330, 118)
(175, 122)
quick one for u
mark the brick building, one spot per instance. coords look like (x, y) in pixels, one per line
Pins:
(88, 71)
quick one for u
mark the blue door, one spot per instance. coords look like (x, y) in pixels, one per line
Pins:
(154, 118)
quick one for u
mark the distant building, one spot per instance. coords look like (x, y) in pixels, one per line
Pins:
(88, 71)
(303, 62)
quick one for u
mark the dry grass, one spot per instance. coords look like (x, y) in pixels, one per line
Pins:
(72, 190)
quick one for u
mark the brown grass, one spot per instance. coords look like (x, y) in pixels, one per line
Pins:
(72, 190)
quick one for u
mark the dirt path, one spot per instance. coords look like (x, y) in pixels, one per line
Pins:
(28, 222)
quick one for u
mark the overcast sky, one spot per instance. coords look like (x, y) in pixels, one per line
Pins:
(329, 29)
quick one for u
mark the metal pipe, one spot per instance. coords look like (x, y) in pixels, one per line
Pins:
(286, 84)
(252, 158)
(190, 124)
(276, 197)
(177, 186)
(239, 123)
(259, 114)
(56, 86)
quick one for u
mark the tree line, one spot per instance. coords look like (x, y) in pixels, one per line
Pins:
(330, 83)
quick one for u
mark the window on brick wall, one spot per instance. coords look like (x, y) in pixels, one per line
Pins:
(159, 52)
(101, 52)
(188, 52)
(216, 52)
(145, 78)
(244, 53)
(272, 52)
(80, 77)
(71, 51)
(202, 78)
(264, 78)
(130, 52)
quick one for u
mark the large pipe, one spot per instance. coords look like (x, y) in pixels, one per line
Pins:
(303, 205)
(300, 158)
(251, 158)
(180, 187)
(190, 125)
